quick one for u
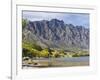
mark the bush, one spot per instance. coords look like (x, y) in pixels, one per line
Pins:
(30, 50)
(56, 54)
(26, 53)
(75, 55)
(44, 53)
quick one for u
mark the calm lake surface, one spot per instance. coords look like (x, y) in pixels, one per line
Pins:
(72, 59)
(59, 62)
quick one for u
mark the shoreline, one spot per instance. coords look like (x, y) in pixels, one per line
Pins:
(69, 62)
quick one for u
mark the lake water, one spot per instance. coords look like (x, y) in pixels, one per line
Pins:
(59, 62)
(72, 59)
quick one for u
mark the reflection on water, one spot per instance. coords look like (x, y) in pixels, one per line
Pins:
(57, 62)
(72, 59)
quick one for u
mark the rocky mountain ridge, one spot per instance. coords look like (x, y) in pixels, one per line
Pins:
(56, 34)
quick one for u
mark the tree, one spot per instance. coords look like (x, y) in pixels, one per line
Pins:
(26, 53)
(44, 53)
(35, 53)
(24, 23)
(56, 54)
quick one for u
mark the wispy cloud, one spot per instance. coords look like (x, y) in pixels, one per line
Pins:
(69, 18)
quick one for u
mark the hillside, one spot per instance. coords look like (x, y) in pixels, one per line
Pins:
(56, 34)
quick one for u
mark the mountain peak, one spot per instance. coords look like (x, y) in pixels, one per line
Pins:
(55, 19)
(56, 33)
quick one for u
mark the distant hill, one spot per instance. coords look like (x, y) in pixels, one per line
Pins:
(56, 34)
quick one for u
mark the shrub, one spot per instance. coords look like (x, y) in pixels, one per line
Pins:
(26, 53)
(75, 55)
(44, 53)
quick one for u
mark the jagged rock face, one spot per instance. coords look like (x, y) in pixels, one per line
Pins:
(57, 34)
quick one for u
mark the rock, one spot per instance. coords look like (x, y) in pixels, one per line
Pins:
(56, 34)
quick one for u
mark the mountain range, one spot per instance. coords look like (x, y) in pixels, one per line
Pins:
(56, 33)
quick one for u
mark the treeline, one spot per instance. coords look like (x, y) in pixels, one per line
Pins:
(35, 51)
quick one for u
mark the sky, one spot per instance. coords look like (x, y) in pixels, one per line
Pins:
(80, 19)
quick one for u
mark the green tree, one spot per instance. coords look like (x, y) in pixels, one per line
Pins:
(24, 23)
(35, 53)
(56, 54)
(44, 53)
(26, 53)
(75, 55)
